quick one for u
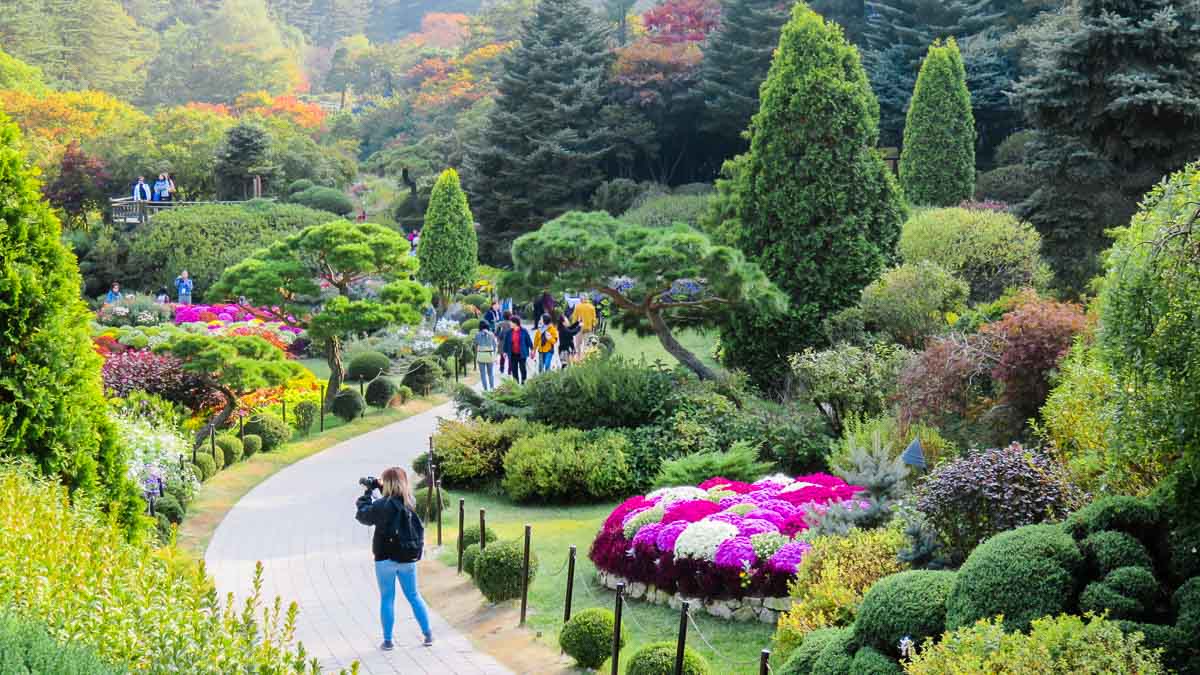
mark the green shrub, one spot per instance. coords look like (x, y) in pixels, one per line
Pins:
(478, 301)
(325, 199)
(666, 210)
(169, 507)
(848, 380)
(616, 196)
(498, 570)
(26, 647)
(381, 391)
(273, 431)
(1061, 645)
(991, 251)
(304, 415)
(588, 637)
(610, 393)
(349, 404)
(182, 494)
(1178, 649)
(196, 471)
(804, 659)
(366, 366)
(208, 465)
(836, 658)
(913, 301)
(1187, 606)
(423, 503)
(162, 528)
(470, 553)
(472, 451)
(470, 326)
(251, 444)
(870, 661)
(1012, 149)
(1008, 184)
(1125, 593)
(908, 604)
(218, 456)
(300, 186)
(565, 465)
(404, 394)
(1107, 550)
(1022, 574)
(937, 162)
(658, 658)
(424, 373)
(1130, 515)
(471, 534)
(231, 447)
(740, 462)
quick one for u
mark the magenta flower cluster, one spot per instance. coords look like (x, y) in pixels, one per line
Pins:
(703, 542)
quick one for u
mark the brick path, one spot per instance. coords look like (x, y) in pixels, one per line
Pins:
(300, 524)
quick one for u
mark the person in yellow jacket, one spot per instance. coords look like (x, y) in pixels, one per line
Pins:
(544, 340)
(584, 315)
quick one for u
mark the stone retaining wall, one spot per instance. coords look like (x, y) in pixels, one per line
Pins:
(766, 610)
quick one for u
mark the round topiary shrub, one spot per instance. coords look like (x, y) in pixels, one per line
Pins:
(208, 467)
(588, 636)
(270, 428)
(349, 404)
(908, 604)
(381, 391)
(1125, 593)
(300, 185)
(423, 503)
(804, 659)
(170, 507)
(835, 658)
(1187, 606)
(469, 326)
(658, 658)
(218, 456)
(471, 535)
(478, 301)
(1023, 574)
(304, 415)
(231, 447)
(251, 444)
(1108, 550)
(1130, 515)
(498, 570)
(366, 366)
(181, 494)
(196, 472)
(404, 394)
(424, 373)
(470, 553)
(324, 199)
(871, 661)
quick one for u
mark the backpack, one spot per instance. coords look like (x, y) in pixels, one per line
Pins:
(402, 538)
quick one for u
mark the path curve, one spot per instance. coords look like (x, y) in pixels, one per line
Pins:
(300, 524)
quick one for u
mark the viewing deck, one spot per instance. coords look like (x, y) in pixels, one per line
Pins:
(129, 212)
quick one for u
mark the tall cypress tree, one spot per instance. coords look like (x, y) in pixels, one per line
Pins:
(449, 251)
(817, 208)
(736, 62)
(1116, 105)
(937, 166)
(543, 147)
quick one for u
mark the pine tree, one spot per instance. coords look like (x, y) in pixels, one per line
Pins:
(817, 208)
(449, 251)
(937, 165)
(242, 156)
(1116, 105)
(543, 146)
(52, 409)
(736, 61)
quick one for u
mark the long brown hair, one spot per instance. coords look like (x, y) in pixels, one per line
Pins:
(395, 484)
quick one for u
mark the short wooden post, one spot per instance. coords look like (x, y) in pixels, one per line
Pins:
(525, 574)
(212, 444)
(616, 645)
(682, 644)
(482, 529)
(462, 516)
(438, 491)
(764, 658)
(322, 406)
(283, 410)
(570, 584)
(241, 426)
(429, 489)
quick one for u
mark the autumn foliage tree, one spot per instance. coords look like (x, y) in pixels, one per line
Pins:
(80, 186)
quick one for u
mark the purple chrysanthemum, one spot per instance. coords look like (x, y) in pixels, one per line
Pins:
(736, 552)
(667, 534)
(788, 558)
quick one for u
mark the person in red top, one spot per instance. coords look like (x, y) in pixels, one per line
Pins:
(517, 345)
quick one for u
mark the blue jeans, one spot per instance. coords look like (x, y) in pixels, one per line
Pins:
(487, 373)
(545, 359)
(386, 573)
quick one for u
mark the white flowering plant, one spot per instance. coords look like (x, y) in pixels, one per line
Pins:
(156, 455)
(700, 539)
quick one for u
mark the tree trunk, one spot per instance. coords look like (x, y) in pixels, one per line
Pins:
(337, 372)
(677, 350)
(219, 420)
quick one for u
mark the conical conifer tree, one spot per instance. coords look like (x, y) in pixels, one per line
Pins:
(52, 409)
(937, 164)
(817, 208)
(449, 250)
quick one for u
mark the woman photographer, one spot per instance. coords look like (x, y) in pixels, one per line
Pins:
(397, 544)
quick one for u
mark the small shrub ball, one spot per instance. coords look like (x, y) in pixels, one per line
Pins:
(170, 507)
(804, 658)
(349, 404)
(871, 661)
(588, 636)
(470, 553)
(251, 444)
(208, 466)
(908, 604)
(270, 428)
(367, 366)
(658, 658)
(498, 570)
(1110, 549)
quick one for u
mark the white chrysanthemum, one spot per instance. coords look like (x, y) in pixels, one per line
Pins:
(677, 494)
(701, 539)
(777, 479)
(798, 485)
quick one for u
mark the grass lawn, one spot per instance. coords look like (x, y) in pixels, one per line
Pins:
(555, 529)
(649, 348)
(318, 367)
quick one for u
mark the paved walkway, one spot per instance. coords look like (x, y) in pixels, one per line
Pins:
(300, 524)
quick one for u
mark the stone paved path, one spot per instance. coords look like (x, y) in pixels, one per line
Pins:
(300, 524)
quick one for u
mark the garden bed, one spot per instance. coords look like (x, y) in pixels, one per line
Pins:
(749, 608)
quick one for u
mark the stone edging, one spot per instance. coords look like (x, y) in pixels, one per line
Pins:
(764, 609)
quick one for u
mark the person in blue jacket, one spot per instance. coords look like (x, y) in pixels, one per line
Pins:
(183, 288)
(397, 544)
(517, 343)
(113, 294)
(141, 191)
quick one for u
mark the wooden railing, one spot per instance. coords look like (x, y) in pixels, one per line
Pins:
(127, 211)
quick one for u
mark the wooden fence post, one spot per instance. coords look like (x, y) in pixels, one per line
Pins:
(525, 575)
(570, 584)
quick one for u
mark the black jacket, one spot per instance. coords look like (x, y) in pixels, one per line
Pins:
(399, 533)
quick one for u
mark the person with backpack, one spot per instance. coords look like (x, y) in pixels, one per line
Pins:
(397, 544)
(544, 341)
(485, 355)
(567, 330)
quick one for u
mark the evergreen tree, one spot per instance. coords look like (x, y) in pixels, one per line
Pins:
(1116, 105)
(449, 251)
(242, 156)
(816, 207)
(736, 60)
(937, 165)
(543, 146)
(52, 409)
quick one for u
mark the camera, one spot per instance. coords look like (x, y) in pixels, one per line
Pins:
(371, 483)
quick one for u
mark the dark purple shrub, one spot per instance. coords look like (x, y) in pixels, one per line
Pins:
(989, 491)
(159, 374)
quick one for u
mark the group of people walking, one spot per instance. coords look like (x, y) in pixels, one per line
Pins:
(163, 189)
(504, 339)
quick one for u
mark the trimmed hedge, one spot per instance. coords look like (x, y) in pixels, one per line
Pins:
(1125, 593)
(169, 507)
(871, 661)
(658, 658)
(803, 660)
(471, 534)
(349, 404)
(26, 647)
(218, 456)
(366, 366)
(251, 444)
(1023, 574)
(270, 428)
(588, 636)
(498, 570)
(381, 391)
(470, 553)
(304, 415)
(1125, 514)
(1110, 549)
(207, 465)
(835, 658)
(231, 447)
(908, 604)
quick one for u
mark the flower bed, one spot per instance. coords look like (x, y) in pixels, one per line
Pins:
(722, 539)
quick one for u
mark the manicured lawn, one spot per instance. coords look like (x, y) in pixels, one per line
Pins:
(318, 367)
(555, 529)
(650, 349)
